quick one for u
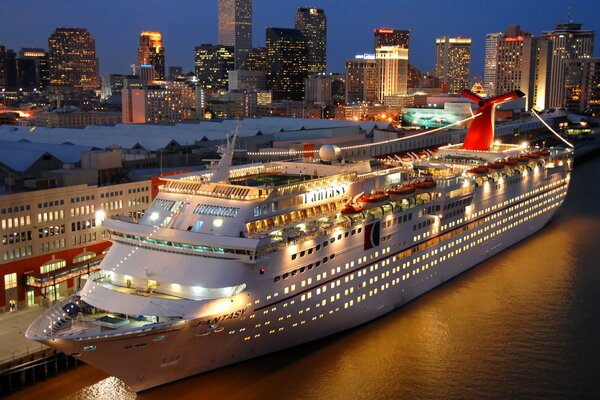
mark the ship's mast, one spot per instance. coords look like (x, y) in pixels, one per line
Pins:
(221, 173)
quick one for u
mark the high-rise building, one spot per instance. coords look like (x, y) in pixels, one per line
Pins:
(491, 55)
(391, 37)
(582, 85)
(392, 71)
(256, 60)
(39, 59)
(312, 22)
(514, 62)
(9, 78)
(166, 102)
(287, 57)
(175, 72)
(361, 79)
(235, 27)
(72, 55)
(152, 52)
(212, 63)
(567, 41)
(453, 62)
(2, 67)
(325, 89)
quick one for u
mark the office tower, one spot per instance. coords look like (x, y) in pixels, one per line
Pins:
(72, 54)
(567, 41)
(491, 54)
(581, 91)
(2, 67)
(324, 89)
(152, 52)
(453, 62)
(212, 62)
(361, 79)
(391, 37)
(256, 60)
(312, 23)
(514, 61)
(147, 73)
(39, 59)
(287, 67)
(235, 27)
(392, 71)
(9, 77)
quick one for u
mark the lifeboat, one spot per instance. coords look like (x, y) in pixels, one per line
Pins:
(534, 156)
(496, 165)
(401, 192)
(480, 170)
(510, 162)
(428, 183)
(350, 209)
(523, 158)
(544, 152)
(373, 200)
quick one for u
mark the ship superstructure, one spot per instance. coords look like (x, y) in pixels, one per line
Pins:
(231, 264)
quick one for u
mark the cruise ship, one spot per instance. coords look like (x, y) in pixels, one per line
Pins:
(240, 261)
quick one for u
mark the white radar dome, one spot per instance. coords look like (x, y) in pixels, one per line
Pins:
(330, 152)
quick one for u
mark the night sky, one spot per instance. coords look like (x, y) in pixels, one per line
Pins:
(116, 24)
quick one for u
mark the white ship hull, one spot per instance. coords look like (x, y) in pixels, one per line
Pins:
(354, 287)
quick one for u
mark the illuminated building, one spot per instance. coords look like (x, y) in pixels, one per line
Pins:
(361, 78)
(212, 63)
(175, 72)
(72, 53)
(510, 62)
(567, 41)
(8, 69)
(391, 37)
(167, 102)
(39, 59)
(2, 67)
(491, 55)
(152, 52)
(312, 23)
(147, 73)
(287, 57)
(453, 62)
(256, 60)
(235, 27)
(55, 231)
(582, 85)
(392, 71)
(113, 84)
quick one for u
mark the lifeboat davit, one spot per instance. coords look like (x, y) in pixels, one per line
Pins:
(401, 192)
(480, 170)
(373, 200)
(349, 209)
(428, 183)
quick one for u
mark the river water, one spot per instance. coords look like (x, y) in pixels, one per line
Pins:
(522, 325)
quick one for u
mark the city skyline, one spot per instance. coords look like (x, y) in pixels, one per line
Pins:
(116, 33)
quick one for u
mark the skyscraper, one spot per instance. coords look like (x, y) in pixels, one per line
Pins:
(312, 23)
(72, 55)
(287, 63)
(212, 63)
(152, 52)
(514, 62)
(392, 71)
(39, 58)
(453, 62)
(567, 41)
(361, 78)
(235, 27)
(2, 67)
(582, 85)
(256, 60)
(491, 55)
(391, 37)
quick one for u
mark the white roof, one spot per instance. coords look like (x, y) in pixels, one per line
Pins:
(19, 156)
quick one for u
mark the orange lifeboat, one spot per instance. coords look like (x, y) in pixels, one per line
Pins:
(373, 200)
(510, 161)
(480, 170)
(349, 209)
(496, 165)
(544, 152)
(400, 192)
(428, 183)
(523, 158)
